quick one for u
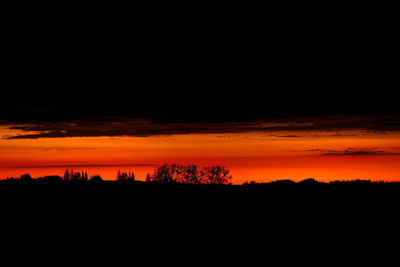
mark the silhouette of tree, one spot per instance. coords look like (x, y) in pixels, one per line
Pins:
(66, 175)
(123, 176)
(187, 174)
(131, 176)
(77, 176)
(309, 181)
(96, 178)
(217, 175)
(202, 179)
(148, 178)
(165, 174)
(190, 174)
(72, 175)
(25, 178)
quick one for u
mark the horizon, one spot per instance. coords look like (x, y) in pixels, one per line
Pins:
(266, 131)
(109, 173)
(261, 156)
(289, 101)
(143, 179)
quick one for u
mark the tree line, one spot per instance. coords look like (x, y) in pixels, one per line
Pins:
(167, 173)
(190, 174)
(75, 176)
(124, 176)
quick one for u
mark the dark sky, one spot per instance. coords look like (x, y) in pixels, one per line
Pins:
(190, 69)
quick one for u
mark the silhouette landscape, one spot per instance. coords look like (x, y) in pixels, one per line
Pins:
(191, 178)
(261, 112)
(199, 135)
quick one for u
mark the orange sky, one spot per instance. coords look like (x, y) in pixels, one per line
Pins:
(261, 157)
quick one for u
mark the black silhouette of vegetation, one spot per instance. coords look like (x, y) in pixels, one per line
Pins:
(75, 176)
(69, 177)
(96, 179)
(190, 174)
(175, 190)
(191, 178)
(130, 176)
(148, 178)
(164, 174)
(25, 178)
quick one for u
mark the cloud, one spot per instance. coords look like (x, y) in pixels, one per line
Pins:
(354, 152)
(289, 136)
(143, 127)
(125, 127)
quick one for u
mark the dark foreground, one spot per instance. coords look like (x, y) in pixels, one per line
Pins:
(233, 223)
(303, 195)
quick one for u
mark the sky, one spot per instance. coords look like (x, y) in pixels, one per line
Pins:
(264, 154)
(286, 96)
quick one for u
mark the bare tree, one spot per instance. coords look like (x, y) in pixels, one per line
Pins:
(190, 174)
(217, 175)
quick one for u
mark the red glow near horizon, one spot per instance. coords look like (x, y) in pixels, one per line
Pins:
(260, 157)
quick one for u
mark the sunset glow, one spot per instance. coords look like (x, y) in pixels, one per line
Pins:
(251, 156)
